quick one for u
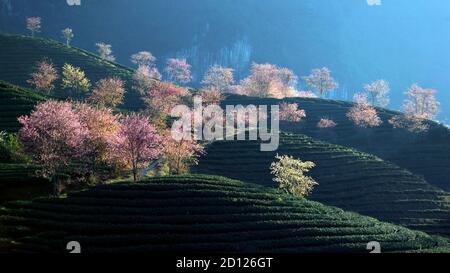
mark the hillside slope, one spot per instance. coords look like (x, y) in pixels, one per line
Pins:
(348, 179)
(14, 102)
(19, 54)
(200, 214)
(426, 154)
(19, 182)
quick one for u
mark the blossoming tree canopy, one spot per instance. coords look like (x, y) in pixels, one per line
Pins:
(53, 135)
(363, 114)
(290, 112)
(178, 71)
(136, 144)
(289, 173)
(44, 76)
(34, 25)
(108, 92)
(320, 80)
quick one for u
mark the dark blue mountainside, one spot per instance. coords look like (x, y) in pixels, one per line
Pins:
(401, 41)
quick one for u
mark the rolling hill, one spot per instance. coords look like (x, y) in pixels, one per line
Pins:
(347, 178)
(197, 214)
(14, 102)
(19, 54)
(426, 154)
(19, 182)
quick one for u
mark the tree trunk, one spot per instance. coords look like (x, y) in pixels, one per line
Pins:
(56, 184)
(134, 175)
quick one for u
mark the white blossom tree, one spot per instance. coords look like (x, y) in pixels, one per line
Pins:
(218, 78)
(67, 35)
(421, 102)
(378, 93)
(34, 25)
(143, 58)
(105, 51)
(320, 81)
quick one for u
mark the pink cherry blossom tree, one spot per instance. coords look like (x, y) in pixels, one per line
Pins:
(144, 78)
(268, 80)
(326, 123)
(290, 112)
(108, 92)
(44, 76)
(53, 134)
(135, 144)
(180, 154)
(101, 125)
(363, 114)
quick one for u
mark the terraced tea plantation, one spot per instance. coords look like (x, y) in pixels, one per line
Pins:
(18, 182)
(348, 179)
(196, 213)
(425, 154)
(15, 102)
(19, 54)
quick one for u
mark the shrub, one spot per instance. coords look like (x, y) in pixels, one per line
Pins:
(10, 149)
(289, 174)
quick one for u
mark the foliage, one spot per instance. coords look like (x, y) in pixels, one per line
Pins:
(409, 122)
(326, 123)
(269, 81)
(108, 92)
(419, 106)
(179, 155)
(363, 114)
(136, 144)
(143, 79)
(44, 76)
(290, 112)
(52, 134)
(34, 25)
(100, 125)
(306, 94)
(10, 149)
(162, 97)
(289, 173)
(178, 71)
(421, 102)
(67, 34)
(210, 96)
(378, 93)
(75, 79)
(105, 51)
(143, 58)
(320, 80)
(218, 78)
